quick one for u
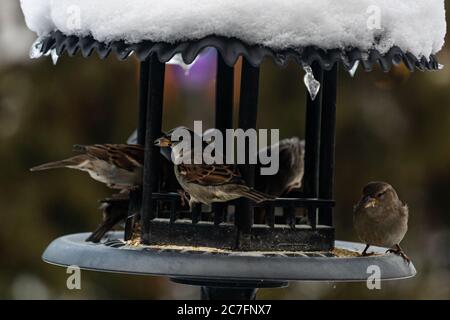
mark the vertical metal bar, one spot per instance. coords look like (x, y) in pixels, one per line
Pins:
(328, 143)
(248, 108)
(136, 195)
(290, 216)
(224, 112)
(312, 147)
(153, 130)
(270, 216)
(218, 209)
(144, 73)
(224, 95)
(196, 213)
(173, 211)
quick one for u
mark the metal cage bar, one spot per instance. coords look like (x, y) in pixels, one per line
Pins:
(312, 147)
(136, 195)
(151, 157)
(144, 74)
(224, 112)
(248, 108)
(224, 95)
(328, 143)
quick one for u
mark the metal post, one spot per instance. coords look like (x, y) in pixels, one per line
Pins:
(144, 74)
(224, 95)
(153, 125)
(136, 195)
(224, 112)
(312, 147)
(248, 107)
(328, 142)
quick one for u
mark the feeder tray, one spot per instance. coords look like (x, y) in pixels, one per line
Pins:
(194, 264)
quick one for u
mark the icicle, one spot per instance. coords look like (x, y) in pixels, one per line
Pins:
(311, 83)
(178, 61)
(352, 71)
(54, 56)
(36, 48)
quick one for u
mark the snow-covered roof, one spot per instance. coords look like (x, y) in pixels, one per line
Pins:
(415, 26)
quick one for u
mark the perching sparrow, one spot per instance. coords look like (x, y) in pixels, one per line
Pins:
(380, 218)
(114, 211)
(290, 174)
(119, 166)
(207, 183)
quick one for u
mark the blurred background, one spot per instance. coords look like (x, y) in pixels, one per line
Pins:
(391, 126)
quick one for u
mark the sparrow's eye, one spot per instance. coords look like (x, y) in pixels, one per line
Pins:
(380, 194)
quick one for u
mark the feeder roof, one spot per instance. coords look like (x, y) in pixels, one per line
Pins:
(415, 26)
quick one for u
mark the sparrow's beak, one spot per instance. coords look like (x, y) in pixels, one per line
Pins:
(163, 142)
(370, 202)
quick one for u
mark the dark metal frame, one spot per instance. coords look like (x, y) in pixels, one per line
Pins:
(318, 180)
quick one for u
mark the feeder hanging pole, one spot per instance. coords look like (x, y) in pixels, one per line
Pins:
(328, 143)
(312, 147)
(248, 108)
(153, 127)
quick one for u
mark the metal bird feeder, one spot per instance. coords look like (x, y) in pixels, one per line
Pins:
(232, 260)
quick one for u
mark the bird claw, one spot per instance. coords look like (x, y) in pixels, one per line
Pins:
(400, 253)
(183, 197)
(367, 254)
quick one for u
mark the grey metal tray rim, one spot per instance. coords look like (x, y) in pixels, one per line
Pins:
(73, 250)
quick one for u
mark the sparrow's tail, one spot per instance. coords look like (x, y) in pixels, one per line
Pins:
(112, 216)
(256, 196)
(71, 162)
(98, 234)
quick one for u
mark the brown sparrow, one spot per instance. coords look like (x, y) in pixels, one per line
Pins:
(380, 218)
(208, 183)
(114, 210)
(290, 174)
(119, 166)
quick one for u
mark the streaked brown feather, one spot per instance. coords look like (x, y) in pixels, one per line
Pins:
(124, 156)
(210, 175)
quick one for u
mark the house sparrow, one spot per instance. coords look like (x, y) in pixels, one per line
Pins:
(290, 174)
(119, 166)
(380, 218)
(207, 183)
(114, 210)
(289, 177)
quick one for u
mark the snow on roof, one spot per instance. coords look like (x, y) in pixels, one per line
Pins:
(416, 26)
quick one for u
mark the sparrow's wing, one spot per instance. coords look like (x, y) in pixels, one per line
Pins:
(124, 156)
(210, 175)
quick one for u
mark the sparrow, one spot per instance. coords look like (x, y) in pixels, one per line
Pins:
(114, 211)
(380, 218)
(208, 183)
(290, 174)
(119, 166)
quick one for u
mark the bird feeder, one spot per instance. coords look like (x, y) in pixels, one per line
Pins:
(202, 247)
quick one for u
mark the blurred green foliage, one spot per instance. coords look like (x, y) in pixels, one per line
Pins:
(393, 127)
